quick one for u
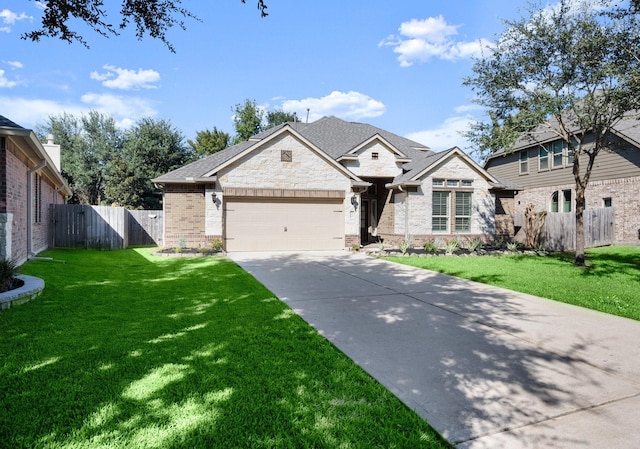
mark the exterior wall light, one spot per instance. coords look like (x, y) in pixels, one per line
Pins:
(214, 197)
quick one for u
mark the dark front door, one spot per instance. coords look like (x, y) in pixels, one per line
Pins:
(364, 222)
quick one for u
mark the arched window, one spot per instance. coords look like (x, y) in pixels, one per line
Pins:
(554, 202)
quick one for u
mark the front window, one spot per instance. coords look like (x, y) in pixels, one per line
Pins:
(440, 212)
(561, 201)
(554, 202)
(558, 154)
(524, 162)
(463, 211)
(566, 201)
(543, 159)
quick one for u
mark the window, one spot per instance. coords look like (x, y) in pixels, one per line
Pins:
(453, 183)
(467, 183)
(374, 156)
(554, 202)
(438, 182)
(440, 212)
(566, 201)
(607, 201)
(463, 211)
(561, 201)
(524, 162)
(543, 159)
(557, 151)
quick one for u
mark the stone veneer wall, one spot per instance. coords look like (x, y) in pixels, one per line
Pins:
(625, 195)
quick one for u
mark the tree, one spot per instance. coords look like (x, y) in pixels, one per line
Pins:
(248, 120)
(277, 117)
(209, 142)
(154, 18)
(574, 71)
(150, 148)
(87, 143)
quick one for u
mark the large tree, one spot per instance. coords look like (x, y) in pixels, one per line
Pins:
(209, 142)
(87, 142)
(154, 18)
(248, 120)
(150, 148)
(572, 70)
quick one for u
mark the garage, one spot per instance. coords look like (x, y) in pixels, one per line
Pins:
(284, 224)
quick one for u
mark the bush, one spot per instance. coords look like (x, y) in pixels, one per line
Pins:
(474, 245)
(451, 246)
(8, 272)
(405, 245)
(431, 247)
(217, 245)
(513, 246)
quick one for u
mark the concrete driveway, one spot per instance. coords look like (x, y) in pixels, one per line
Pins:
(487, 367)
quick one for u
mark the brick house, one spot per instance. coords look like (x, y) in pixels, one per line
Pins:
(326, 185)
(30, 181)
(539, 172)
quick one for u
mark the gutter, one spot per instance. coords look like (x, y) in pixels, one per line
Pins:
(30, 172)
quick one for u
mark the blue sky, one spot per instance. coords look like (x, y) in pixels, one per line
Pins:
(398, 65)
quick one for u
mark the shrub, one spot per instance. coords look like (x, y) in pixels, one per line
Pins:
(513, 246)
(380, 245)
(217, 245)
(405, 245)
(430, 247)
(8, 272)
(474, 245)
(355, 247)
(451, 246)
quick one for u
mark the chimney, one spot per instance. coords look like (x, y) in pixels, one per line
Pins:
(53, 151)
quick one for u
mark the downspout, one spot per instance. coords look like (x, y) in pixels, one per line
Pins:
(30, 172)
(406, 213)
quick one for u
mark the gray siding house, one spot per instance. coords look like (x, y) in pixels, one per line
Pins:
(329, 184)
(540, 173)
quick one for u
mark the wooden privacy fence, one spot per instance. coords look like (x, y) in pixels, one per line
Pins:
(559, 230)
(104, 227)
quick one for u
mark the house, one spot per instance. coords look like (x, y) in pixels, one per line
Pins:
(540, 172)
(30, 181)
(328, 184)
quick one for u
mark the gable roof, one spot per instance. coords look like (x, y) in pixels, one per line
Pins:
(29, 144)
(330, 137)
(417, 169)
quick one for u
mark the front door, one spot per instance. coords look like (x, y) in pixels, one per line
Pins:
(364, 222)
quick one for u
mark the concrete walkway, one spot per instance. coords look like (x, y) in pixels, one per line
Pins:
(487, 367)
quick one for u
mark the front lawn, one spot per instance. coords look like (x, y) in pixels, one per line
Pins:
(610, 284)
(127, 350)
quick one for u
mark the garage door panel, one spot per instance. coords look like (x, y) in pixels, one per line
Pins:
(265, 224)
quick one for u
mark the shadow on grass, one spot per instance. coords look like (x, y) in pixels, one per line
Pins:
(122, 350)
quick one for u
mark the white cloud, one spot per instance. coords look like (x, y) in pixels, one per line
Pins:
(345, 105)
(5, 82)
(446, 135)
(433, 37)
(126, 79)
(15, 64)
(31, 112)
(9, 18)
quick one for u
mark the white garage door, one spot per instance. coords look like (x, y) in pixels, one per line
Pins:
(284, 224)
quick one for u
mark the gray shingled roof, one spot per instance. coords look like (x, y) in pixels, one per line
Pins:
(6, 123)
(332, 135)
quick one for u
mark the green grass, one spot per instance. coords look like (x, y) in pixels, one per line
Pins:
(127, 350)
(610, 283)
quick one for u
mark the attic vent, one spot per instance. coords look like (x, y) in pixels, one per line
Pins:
(374, 156)
(286, 156)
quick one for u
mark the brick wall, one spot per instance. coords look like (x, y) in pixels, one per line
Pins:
(184, 215)
(17, 204)
(624, 194)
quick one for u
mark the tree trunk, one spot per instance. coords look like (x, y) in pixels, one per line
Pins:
(580, 205)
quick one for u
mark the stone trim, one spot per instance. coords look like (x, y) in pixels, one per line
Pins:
(282, 193)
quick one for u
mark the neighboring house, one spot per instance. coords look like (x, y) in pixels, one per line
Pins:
(329, 184)
(30, 181)
(540, 172)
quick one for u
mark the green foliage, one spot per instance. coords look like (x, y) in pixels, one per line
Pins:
(8, 272)
(451, 246)
(127, 350)
(430, 246)
(217, 245)
(609, 284)
(150, 18)
(513, 247)
(564, 71)
(278, 117)
(355, 247)
(209, 142)
(405, 245)
(248, 120)
(474, 245)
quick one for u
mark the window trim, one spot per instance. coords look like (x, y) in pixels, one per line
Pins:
(523, 161)
(445, 216)
(542, 148)
(468, 216)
